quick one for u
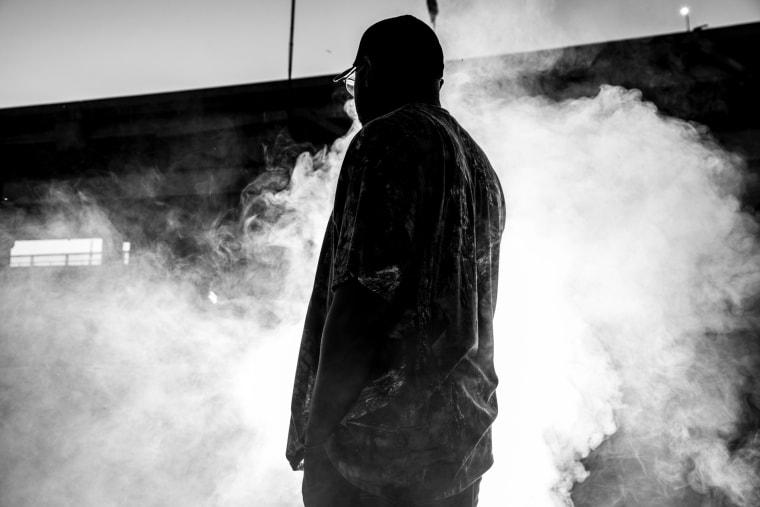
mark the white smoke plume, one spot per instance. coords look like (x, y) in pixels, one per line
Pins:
(471, 28)
(124, 385)
(626, 271)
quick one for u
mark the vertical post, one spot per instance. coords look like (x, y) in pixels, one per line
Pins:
(685, 11)
(292, 30)
(432, 6)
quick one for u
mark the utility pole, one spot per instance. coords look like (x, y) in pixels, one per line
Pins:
(432, 6)
(292, 30)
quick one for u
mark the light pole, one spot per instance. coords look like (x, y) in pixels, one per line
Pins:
(292, 31)
(685, 13)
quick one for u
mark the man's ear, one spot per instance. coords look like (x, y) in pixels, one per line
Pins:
(440, 84)
(368, 74)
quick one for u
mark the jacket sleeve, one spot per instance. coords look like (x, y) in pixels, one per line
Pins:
(376, 222)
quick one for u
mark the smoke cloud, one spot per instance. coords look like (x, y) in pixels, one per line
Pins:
(124, 385)
(628, 271)
(625, 341)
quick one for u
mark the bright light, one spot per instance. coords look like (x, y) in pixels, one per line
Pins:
(125, 248)
(57, 252)
(684, 11)
(212, 297)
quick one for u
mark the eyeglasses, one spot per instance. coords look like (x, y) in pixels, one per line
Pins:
(350, 82)
(349, 79)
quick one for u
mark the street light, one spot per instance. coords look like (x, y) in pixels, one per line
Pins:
(685, 13)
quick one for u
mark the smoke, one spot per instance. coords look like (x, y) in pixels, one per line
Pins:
(124, 385)
(624, 342)
(627, 273)
(472, 28)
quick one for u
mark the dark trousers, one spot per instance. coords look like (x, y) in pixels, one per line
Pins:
(323, 486)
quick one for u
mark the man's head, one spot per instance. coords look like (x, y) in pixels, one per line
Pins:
(399, 61)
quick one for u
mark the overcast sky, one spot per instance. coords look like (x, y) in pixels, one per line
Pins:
(56, 50)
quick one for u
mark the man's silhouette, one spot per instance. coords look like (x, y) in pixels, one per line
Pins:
(394, 394)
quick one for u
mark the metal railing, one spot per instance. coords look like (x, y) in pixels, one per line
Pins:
(54, 259)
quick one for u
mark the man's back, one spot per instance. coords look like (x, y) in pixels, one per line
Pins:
(417, 220)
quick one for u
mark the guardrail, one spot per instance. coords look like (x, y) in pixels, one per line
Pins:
(53, 259)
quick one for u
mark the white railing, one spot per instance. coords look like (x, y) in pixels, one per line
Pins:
(52, 259)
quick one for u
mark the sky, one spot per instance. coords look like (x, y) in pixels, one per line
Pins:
(54, 51)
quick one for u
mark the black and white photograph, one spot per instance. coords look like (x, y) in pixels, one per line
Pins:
(365, 253)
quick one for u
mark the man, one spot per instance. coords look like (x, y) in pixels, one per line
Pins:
(394, 394)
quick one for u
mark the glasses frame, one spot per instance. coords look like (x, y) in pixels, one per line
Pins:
(349, 79)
